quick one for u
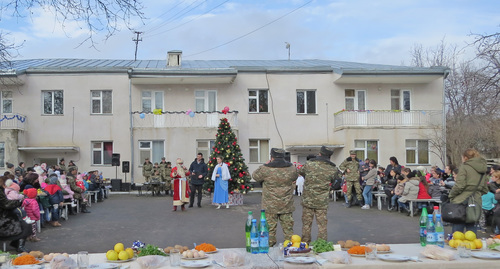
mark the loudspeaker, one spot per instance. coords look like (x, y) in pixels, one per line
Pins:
(116, 184)
(125, 167)
(115, 159)
(287, 156)
(125, 187)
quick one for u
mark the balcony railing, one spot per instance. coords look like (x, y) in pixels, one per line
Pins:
(13, 122)
(183, 119)
(388, 118)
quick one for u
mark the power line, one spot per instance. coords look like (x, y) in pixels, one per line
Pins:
(251, 32)
(173, 28)
(164, 13)
(177, 15)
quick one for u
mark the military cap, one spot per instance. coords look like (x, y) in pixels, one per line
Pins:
(277, 153)
(352, 152)
(325, 151)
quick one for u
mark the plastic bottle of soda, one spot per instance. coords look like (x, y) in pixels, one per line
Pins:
(423, 227)
(439, 231)
(431, 232)
(248, 230)
(254, 238)
(263, 237)
(435, 211)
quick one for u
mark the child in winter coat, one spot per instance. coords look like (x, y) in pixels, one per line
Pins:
(32, 209)
(12, 193)
(81, 184)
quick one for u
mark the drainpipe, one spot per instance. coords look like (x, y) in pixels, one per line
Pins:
(131, 126)
(446, 73)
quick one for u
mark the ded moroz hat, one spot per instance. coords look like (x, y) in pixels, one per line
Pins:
(325, 151)
(277, 153)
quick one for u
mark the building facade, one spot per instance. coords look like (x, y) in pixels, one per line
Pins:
(86, 110)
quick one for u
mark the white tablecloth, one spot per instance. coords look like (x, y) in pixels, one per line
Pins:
(265, 261)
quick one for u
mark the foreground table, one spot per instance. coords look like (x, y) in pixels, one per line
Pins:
(265, 261)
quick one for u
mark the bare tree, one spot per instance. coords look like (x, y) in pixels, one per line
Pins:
(94, 15)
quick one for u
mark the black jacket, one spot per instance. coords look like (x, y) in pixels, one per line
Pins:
(197, 169)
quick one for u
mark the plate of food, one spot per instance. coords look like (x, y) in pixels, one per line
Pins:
(121, 261)
(486, 255)
(207, 248)
(300, 260)
(213, 251)
(393, 258)
(196, 264)
(299, 251)
(197, 258)
(27, 266)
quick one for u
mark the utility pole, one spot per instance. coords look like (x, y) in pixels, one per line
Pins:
(136, 40)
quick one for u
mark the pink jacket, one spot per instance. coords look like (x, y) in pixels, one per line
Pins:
(12, 194)
(32, 209)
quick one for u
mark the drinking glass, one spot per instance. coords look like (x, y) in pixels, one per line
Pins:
(83, 259)
(175, 258)
(278, 253)
(464, 250)
(371, 251)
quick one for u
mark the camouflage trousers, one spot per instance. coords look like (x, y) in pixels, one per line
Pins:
(357, 186)
(146, 178)
(286, 221)
(307, 220)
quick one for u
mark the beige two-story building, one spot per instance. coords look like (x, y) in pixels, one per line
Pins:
(85, 110)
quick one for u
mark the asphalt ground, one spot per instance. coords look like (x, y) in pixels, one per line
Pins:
(127, 217)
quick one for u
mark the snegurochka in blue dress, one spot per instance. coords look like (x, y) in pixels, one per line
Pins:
(221, 177)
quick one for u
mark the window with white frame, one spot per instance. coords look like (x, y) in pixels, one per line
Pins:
(366, 149)
(417, 151)
(306, 102)
(53, 102)
(2, 154)
(6, 102)
(152, 149)
(102, 153)
(400, 99)
(205, 147)
(355, 99)
(259, 150)
(205, 100)
(152, 100)
(257, 101)
(101, 101)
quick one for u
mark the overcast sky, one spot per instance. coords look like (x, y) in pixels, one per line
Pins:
(368, 31)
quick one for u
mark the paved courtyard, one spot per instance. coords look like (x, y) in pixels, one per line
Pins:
(128, 217)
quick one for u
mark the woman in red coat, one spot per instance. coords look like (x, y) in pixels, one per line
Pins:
(181, 188)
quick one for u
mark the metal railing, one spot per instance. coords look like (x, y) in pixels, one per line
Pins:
(388, 118)
(181, 119)
(13, 121)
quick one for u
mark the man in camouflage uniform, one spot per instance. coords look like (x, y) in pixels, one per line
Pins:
(78, 192)
(350, 166)
(318, 173)
(147, 170)
(277, 177)
(165, 175)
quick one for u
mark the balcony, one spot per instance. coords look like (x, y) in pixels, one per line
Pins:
(182, 119)
(388, 119)
(13, 122)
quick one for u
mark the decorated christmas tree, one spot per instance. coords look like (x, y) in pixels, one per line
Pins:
(226, 146)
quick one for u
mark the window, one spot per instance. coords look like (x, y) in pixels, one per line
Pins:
(205, 147)
(101, 101)
(205, 100)
(102, 153)
(257, 101)
(417, 151)
(52, 102)
(366, 149)
(355, 99)
(152, 100)
(2, 154)
(400, 100)
(259, 151)
(306, 102)
(154, 150)
(6, 102)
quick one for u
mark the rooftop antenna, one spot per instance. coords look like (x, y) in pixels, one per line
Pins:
(288, 48)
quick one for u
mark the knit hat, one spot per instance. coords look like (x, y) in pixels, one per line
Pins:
(8, 183)
(31, 193)
(277, 153)
(39, 170)
(326, 151)
(53, 179)
(9, 165)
